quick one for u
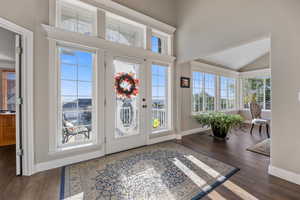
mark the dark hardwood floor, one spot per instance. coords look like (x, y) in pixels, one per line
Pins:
(251, 181)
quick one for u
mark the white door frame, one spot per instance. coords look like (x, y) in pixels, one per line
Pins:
(110, 106)
(27, 89)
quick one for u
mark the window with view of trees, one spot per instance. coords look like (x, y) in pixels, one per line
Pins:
(258, 88)
(227, 93)
(204, 92)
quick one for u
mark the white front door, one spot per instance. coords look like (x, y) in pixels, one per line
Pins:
(126, 104)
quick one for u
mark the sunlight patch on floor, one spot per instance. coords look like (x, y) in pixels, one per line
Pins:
(215, 196)
(192, 175)
(228, 184)
(243, 194)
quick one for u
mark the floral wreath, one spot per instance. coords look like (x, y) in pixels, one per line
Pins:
(126, 86)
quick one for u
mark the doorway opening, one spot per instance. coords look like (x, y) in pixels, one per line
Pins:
(10, 99)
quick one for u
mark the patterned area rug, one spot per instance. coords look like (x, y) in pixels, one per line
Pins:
(261, 148)
(163, 171)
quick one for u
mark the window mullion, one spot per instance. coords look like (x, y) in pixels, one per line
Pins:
(264, 101)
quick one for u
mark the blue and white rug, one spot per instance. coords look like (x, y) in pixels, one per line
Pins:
(163, 171)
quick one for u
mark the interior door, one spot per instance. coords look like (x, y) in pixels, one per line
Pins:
(126, 104)
(18, 64)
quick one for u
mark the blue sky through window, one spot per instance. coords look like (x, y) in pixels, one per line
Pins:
(156, 44)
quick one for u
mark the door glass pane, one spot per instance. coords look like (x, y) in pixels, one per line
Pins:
(159, 97)
(76, 96)
(127, 98)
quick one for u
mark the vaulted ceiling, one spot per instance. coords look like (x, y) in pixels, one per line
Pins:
(238, 57)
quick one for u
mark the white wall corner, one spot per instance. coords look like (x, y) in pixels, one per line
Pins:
(284, 174)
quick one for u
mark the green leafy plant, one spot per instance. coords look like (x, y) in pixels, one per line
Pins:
(220, 123)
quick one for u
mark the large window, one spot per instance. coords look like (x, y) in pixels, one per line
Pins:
(227, 93)
(258, 88)
(204, 92)
(77, 17)
(76, 94)
(124, 31)
(160, 97)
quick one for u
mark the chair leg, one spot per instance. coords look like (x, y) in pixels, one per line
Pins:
(251, 129)
(267, 127)
(260, 127)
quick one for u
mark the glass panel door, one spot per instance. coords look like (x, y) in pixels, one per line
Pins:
(160, 98)
(126, 105)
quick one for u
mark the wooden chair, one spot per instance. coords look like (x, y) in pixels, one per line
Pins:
(70, 130)
(255, 110)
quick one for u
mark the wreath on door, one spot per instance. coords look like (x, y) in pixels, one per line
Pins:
(126, 85)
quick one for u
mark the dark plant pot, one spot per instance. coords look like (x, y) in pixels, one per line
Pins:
(219, 133)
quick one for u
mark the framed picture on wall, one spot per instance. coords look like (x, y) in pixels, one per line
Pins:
(185, 82)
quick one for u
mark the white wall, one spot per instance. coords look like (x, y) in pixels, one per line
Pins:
(163, 10)
(285, 59)
(210, 26)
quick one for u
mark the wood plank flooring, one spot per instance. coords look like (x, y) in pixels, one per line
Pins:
(251, 182)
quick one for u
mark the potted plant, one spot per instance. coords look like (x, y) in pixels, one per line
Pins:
(220, 123)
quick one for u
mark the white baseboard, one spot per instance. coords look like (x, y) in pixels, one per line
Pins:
(284, 174)
(67, 161)
(162, 139)
(193, 131)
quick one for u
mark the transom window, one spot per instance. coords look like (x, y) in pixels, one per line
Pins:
(76, 94)
(258, 88)
(204, 92)
(77, 17)
(159, 43)
(227, 93)
(124, 31)
(160, 97)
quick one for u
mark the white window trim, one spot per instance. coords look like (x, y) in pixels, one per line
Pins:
(218, 72)
(166, 41)
(235, 93)
(265, 77)
(203, 86)
(55, 127)
(114, 8)
(131, 14)
(77, 5)
(130, 22)
(56, 34)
